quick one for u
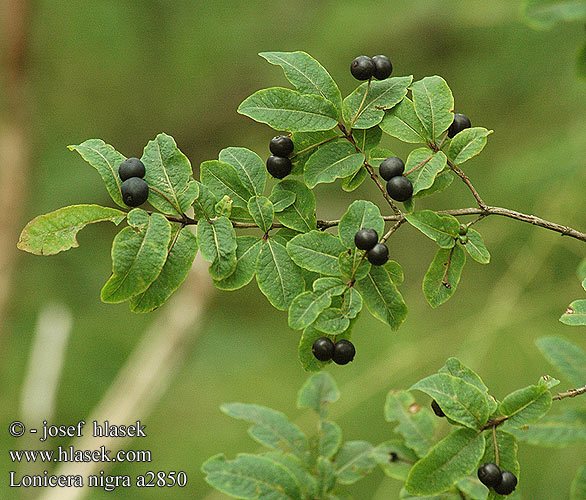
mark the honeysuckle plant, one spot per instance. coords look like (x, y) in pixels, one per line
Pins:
(312, 269)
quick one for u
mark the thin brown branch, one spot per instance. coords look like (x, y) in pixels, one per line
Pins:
(459, 212)
(458, 171)
(392, 230)
(572, 393)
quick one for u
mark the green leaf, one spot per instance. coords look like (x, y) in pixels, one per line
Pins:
(247, 251)
(415, 424)
(567, 357)
(271, 428)
(556, 431)
(217, 243)
(455, 368)
(222, 179)
(578, 487)
(544, 14)
(308, 75)
(399, 467)
(507, 447)
(575, 314)
(402, 122)
(285, 109)
(352, 304)
(168, 171)
(525, 406)
(443, 229)
(442, 181)
(381, 94)
(443, 275)
(428, 164)
(278, 278)
(377, 155)
(404, 495)
(367, 138)
(453, 458)
(307, 482)
(318, 390)
(476, 248)
(204, 205)
(332, 321)
(353, 181)
(382, 298)
(138, 255)
(179, 261)
(316, 251)
(300, 216)
(330, 438)
(434, 104)
(461, 401)
(307, 306)
(395, 271)
(305, 144)
(326, 475)
(473, 488)
(360, 214)
(56, 231)
(467, 144)
(251, 477)
(352, 265)
(249, 166)
(354, 461)
(308, 361)
(224, 207)
(106, 160)
(262, 212)
(332, 161)
(281, 199)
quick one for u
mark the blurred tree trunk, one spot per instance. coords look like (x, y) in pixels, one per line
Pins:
(15, 136)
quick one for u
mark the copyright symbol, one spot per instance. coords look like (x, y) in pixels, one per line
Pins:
(16, 429)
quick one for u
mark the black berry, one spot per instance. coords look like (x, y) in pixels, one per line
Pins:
(281, 145)
(399, 188)
(365, 238)
(135, 191)
(391, 167)
(344, 352)
(436, 409)
(279, 166)
(323, 349)
(132, 167)
(383, 67)
(362, 68)
(507, 484)
(489, 474)
(378, 254)
(460, 123)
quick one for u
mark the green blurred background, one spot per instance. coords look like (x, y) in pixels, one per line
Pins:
(124, 71)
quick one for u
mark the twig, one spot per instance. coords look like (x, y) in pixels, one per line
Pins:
(572, 393)
(458, 171)
(459, 212)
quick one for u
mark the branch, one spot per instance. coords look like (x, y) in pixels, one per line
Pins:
(458, 171)
(572, 393)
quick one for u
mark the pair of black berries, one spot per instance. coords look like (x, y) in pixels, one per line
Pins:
(503, 482)
(134, 189)
(279, 164)
(398, 186)
(364, 67)
(341, 353)
(367, 239)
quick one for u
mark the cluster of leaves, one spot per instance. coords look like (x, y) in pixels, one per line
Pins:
(319, 277)
(575, 314)
(483, 429)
